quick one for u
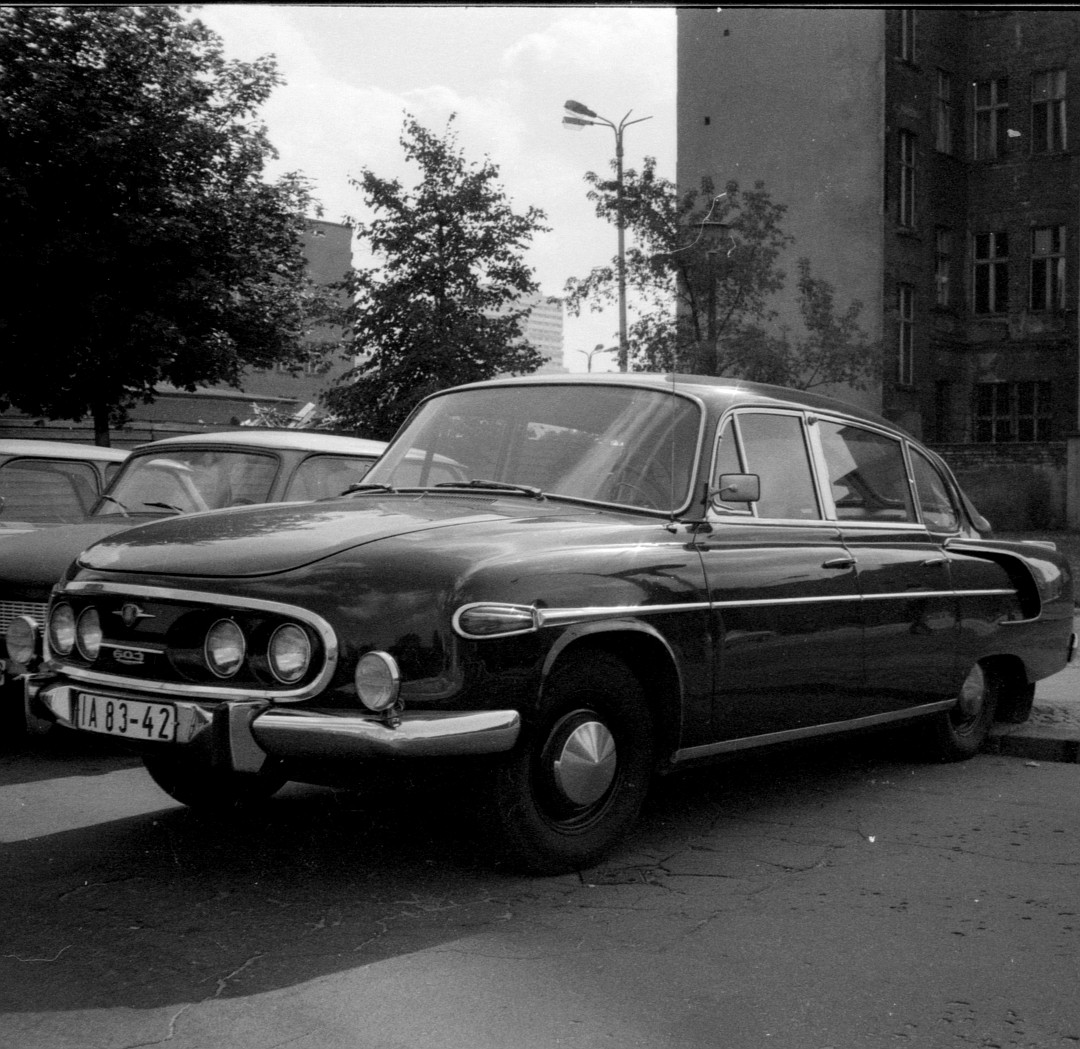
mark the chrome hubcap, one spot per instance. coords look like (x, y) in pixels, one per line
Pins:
(973, 693)
(585, 766)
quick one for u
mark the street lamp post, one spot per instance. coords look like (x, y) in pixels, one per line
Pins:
(580, 116)
(598, 348)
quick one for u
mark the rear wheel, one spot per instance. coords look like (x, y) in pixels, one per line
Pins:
(196, 784)
(960, 731)
(577, 780)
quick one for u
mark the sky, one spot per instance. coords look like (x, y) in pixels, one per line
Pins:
(352, 72)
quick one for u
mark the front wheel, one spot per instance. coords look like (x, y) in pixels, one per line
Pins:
(961, 730)
(195, 783)
(579, 776)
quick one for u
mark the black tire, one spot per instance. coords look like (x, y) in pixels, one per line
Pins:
(577, 779)
(960, 732)
(194, 783)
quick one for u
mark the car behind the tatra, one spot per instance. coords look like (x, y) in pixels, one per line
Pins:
(568, 584)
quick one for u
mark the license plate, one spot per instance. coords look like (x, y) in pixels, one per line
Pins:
(129, 718)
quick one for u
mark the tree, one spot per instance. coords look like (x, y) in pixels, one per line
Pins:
(140, 241)
(705, 268)
(445, 306)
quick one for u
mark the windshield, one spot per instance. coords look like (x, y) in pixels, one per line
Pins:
(611, 444)
(186, 481)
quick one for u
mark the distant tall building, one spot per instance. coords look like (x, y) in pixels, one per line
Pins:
(543, 327)
(929, 162)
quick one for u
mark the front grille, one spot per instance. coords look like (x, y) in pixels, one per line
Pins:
(9, 610)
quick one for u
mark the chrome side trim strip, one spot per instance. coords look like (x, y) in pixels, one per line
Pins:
(729, 746)
(210, 692)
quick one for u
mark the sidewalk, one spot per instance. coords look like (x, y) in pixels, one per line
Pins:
(1052, 733)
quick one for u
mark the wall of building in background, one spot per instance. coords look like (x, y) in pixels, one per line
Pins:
(929, 161)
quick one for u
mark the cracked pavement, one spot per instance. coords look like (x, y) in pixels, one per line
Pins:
(839, 896)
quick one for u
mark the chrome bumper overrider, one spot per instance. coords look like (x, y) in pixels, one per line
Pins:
(251, 731)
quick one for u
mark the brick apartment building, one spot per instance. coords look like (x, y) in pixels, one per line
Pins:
(929, 160)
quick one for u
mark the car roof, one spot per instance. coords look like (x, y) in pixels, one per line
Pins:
(719, 392)
(274, 440)
(61, 450)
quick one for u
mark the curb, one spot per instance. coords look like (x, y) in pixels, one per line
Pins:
(1052, 733)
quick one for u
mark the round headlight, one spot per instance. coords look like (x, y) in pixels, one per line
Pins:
(289, 653)
(22, 640)
(377, 679)
(88, 634)
(224, 648)
(62, 630)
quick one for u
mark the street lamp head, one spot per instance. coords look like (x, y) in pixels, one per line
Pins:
(577, 107)
(575, 123)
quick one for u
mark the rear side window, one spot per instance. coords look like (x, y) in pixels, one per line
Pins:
(44, 491)
(866, 474)
(775, 449)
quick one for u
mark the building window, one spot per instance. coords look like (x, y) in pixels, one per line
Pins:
(1048, 112)
(907, 179)
(991, 276)
(906, 310)
(943, 252)
(907, 34)
(991, 117)
(1048, 268)
(943, 113)
(1007, 412)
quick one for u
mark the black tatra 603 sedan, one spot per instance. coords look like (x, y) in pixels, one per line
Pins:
(566, 585)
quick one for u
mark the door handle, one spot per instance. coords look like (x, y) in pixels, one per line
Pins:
(934, 562)
(841, 562)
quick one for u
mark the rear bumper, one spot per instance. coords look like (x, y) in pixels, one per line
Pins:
(242, 735)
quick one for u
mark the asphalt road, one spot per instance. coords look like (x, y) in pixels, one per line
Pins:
(843, 896)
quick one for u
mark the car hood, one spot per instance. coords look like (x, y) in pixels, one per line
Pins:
(266, 540)
(37, 559)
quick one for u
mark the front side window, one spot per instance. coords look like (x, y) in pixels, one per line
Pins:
(187, 481)
(1048, 268)
(866, 473)
(943, 135)
(1048, 112)
(991, 118)
(774, 448)
(1007, 412)
(324, 476)
(614, 444)
(936, 506)
(906, 215)
(991, 272)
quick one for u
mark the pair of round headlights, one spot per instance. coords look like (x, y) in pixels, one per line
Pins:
(67, 633)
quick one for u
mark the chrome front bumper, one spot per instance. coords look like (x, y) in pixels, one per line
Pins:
(244, 734)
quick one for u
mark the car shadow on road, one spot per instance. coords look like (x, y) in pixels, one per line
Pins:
(61, 753)
(172, 906)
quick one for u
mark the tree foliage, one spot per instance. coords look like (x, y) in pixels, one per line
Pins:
(445, 304)
(140, 241)
(705, 269)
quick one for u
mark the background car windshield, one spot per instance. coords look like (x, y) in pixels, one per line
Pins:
(189, 481)
(612, 444)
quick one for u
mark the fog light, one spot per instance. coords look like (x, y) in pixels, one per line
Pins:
(22, 637)
(88, 634)
(289, 653)
(62, 629)
(377, 680)
(225, 648)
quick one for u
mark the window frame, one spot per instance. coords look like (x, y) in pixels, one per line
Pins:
(943, 121)
(1051, 281)
(1049, 126)
(995, 266)
(905, 334)
(906, 196)
(907, 36)
(943, 261)
(1041, 422)
(995, 115)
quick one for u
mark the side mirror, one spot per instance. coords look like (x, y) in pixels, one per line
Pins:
(738, 488)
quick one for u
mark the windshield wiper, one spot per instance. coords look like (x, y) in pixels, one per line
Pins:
(165, 506)
(498, 486)
(368, 486)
